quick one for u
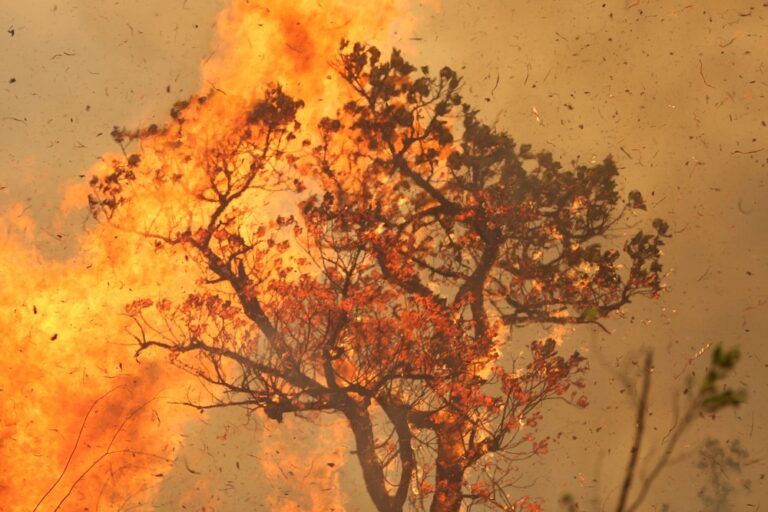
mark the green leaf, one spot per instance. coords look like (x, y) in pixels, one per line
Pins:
(590, 314)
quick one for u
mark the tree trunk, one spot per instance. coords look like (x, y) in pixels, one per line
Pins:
(449, 474)
(373, 471)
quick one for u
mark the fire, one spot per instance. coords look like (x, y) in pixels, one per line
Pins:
(292, 43)
(83, 423)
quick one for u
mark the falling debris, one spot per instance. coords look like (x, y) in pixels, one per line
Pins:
(537, 116)
(632, 74)
(63, 54)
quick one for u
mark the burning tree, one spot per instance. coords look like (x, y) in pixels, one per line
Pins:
(374, 267)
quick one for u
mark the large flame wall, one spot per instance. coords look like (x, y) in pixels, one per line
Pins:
(83, 423)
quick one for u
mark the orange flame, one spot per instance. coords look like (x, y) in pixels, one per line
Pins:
(82, 423)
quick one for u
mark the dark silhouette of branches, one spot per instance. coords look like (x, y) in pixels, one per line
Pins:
(417, 239)
(107, 452)
(712, 396)
(74, 447)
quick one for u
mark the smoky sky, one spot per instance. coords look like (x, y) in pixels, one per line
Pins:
(675, 91)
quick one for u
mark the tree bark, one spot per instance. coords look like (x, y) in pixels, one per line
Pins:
(449, 473)
(373, 471)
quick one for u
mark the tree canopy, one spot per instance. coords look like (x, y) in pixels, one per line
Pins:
(412, 238)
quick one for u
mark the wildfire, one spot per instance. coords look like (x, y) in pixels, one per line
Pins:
(83, 423)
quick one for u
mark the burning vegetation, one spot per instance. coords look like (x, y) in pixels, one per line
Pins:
(306, 237)
(372, 267)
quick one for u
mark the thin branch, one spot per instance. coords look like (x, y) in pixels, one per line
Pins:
(642, 409)
(74, 448)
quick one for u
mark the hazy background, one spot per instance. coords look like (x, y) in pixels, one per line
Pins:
(676, 91)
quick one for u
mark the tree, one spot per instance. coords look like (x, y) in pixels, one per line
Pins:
(419, 237)
(712, 396)
(704, 399)
(719, 465)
